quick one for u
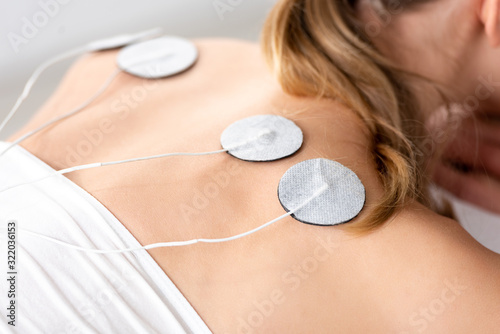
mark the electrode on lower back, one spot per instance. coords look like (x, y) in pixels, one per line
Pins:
(261, 138)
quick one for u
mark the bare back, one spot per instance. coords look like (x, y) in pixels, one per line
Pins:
(290, 277)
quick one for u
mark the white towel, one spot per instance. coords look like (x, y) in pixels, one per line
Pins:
(59, 290)
(482, 225)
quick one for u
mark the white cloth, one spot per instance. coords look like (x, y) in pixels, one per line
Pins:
(60, 290)
(482, 225)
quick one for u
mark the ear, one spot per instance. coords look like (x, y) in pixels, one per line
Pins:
(490, 16)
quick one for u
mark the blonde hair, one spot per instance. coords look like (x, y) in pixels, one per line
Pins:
(318, 48)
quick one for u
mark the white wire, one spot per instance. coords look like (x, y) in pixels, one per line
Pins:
(91, 47)
(159, 156)
(102, 164)
(69, 114)
(177, 243)
(34, 77)
(111, 163)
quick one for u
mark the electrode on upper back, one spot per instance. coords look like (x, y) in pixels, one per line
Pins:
(316, 191)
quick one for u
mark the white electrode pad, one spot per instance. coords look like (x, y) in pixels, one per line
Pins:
(341, 202)
(158, 58)
(262, 138)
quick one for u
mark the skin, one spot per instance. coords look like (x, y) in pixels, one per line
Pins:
(463, 46)
(383, 282)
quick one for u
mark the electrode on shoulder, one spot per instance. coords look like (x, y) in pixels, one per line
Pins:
(262, 138)
(340, 203)
(158, 58)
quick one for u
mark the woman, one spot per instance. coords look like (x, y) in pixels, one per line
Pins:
(397, 268)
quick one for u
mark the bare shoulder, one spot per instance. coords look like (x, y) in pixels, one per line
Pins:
(80, 81)
(426, 274)
(222, 55)
(455, 280)
(418, 273)
(225, 52)
(219, 59)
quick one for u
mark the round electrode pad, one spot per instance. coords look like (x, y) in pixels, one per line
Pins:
(262, 138)
(341, 202)
(158, 58)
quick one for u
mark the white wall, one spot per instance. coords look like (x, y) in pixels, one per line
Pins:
(70, 23)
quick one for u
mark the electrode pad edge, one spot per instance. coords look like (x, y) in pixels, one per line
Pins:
(158, 58)
(340, 203)
(262, 138)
